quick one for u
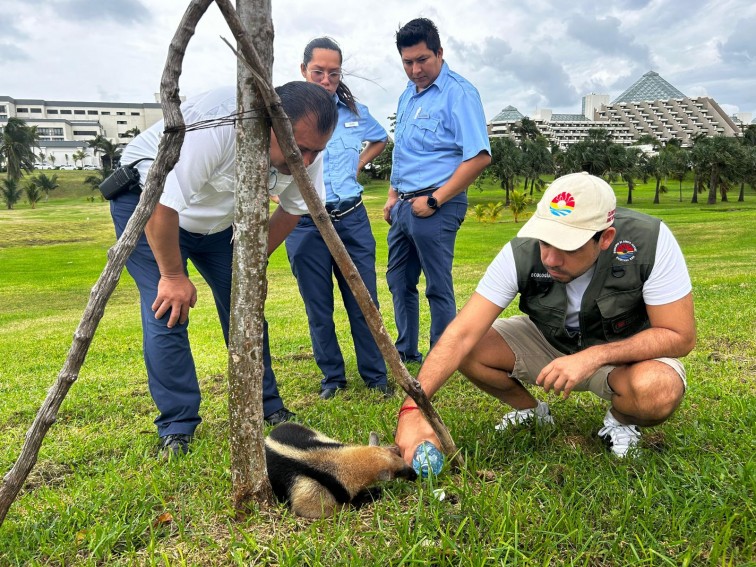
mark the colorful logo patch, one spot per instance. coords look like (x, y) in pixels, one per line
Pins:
(562, 205)
(625, 250)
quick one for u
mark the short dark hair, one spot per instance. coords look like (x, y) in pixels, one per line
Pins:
(597, 236)
(299, 99)
(342, 91)
(419, 29)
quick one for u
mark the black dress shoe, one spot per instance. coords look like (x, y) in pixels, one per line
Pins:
(174, 444)
(280, 416)
(328, 393)
(385, 389)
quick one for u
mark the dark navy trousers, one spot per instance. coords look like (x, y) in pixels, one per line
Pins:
(424, 244)
(172, 377)
(314, 268)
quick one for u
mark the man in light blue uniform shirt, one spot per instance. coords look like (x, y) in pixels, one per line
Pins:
(311, 261)
(441, 146)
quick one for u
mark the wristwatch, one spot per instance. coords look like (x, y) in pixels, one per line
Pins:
(432, 202)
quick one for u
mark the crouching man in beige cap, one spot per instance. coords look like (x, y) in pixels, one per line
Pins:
(608, 309)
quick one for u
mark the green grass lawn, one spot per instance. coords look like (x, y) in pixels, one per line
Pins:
(551, 496)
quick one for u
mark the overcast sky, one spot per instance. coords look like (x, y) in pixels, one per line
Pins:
(535, 54)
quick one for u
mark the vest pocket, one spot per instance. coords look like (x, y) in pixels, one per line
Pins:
(623, 313)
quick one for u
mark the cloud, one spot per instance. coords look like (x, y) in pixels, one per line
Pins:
(9, 52)
(740, 47)
(605, 36)
(125, 11)
(535, 71)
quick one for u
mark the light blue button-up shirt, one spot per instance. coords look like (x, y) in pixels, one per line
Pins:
(436, 130)
(342, 153)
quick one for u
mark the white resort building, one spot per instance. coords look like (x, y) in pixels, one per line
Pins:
(650, 106)
(65, 127)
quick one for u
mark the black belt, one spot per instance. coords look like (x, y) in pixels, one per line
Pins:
(342, 209)
(418, 193)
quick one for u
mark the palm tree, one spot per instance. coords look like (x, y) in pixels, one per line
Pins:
(659, 166)
(79, 155)
(17, 147)
(526, 128)
(679, 164)
(111, 150)
(11, 192)
(519, 204)
(717, 159)
(536, 161)
(33, 194)
(506, 160)
(46, 184)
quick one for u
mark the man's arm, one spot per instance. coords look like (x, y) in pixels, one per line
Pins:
(175, 291)
(280, 225)
(462, 334)
(460, 180)
(672, 334)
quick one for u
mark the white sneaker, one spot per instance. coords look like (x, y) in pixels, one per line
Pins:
(540, 413)
(619, 437)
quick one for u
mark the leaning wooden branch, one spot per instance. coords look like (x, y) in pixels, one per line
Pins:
(285, 136)
(168, 154)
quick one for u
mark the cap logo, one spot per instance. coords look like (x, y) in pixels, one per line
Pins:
(625, 250)
(562, 205)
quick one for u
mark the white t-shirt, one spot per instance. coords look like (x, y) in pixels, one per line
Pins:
(201, 187)
(667, 282)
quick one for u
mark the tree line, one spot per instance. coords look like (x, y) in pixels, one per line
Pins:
(718, 164)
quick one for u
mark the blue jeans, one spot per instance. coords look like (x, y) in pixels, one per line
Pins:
(424, 244)
(171, 374)
(314, 267)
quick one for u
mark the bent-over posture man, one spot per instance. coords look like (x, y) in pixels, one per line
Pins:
(608, 309)
(193, 221)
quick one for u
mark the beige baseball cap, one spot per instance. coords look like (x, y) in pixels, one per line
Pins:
(571, 211)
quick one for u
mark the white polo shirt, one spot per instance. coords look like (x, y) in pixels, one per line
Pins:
(201, 187)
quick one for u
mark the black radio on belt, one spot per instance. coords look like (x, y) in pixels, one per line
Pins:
(123, 179)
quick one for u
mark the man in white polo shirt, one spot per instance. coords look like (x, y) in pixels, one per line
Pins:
(609, 309)
(193, 221)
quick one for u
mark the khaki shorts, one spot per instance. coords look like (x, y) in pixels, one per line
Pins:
(533, 352)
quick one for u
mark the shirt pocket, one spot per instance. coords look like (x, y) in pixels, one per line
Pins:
(424, 133)
(343, 155)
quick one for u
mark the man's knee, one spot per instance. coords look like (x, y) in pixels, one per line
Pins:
(652, 388)
(491, 352)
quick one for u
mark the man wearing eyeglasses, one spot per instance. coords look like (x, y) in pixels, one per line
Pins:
(441, 146)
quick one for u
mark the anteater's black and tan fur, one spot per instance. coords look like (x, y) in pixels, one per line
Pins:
(317, 476)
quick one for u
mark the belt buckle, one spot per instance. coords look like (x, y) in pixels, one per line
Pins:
(335, 215)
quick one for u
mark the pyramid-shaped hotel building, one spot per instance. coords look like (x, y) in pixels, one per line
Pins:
(650, 106)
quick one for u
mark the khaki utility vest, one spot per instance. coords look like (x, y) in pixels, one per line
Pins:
(612, 307)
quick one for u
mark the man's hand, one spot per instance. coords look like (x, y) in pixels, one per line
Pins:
(177, 294)
(411, 430)
(564, 373)
(420, 207)
(393, 197)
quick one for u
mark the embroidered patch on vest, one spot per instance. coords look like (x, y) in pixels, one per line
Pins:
(562, 205)
(625, 250)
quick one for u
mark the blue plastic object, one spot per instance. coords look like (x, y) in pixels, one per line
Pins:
(427, 460)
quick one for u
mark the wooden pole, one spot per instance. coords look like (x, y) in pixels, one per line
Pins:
(249, 477)
(167, 156)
